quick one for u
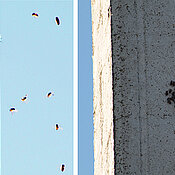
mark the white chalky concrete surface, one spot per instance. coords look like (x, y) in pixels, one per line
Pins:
(102, 82)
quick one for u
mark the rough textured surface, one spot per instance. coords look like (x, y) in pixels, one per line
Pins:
(143, 64)
(102, 88)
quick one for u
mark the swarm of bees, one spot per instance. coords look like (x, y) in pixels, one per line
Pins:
(24, 99)
(57, 20)
(49, 94)
(171, 93)
(57, 126)
(36, 15)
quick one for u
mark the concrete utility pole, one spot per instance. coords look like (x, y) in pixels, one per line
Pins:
(134, 63)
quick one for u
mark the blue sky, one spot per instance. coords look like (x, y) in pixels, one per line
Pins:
(85, 114)
(36, 57)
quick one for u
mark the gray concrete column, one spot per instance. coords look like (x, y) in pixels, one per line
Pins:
(143, 64)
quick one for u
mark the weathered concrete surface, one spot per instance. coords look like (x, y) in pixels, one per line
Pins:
(102, 88)
(143, 64)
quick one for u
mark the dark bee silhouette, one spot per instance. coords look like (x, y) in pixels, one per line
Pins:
(169, 100)
(109, 12)
(35, 15)
(24, 98)
(62, 167)
(166, 93)
(170, 90)
(173, 94)
(50, 94)
(12, 109)
(57, 21)
(172, 83)
(57, 127)
(173, 100)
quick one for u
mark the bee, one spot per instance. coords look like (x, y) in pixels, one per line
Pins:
(173, 94)
(12, 110)
(57, 21)
(109, 12)
(50, 94)
(169, 100)
(166, 93)
(57, 127)
(35, 15)
(62, 167)
(170, 90)
(24, 98)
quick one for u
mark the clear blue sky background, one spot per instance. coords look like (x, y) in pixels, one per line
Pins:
(36, 57)
(86, 156)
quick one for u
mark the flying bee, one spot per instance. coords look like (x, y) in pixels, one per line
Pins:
(50, 94)
(62, 167)
(57, 21)
(35, 15)
(57, 127)
(12, 110)
(24, 98)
